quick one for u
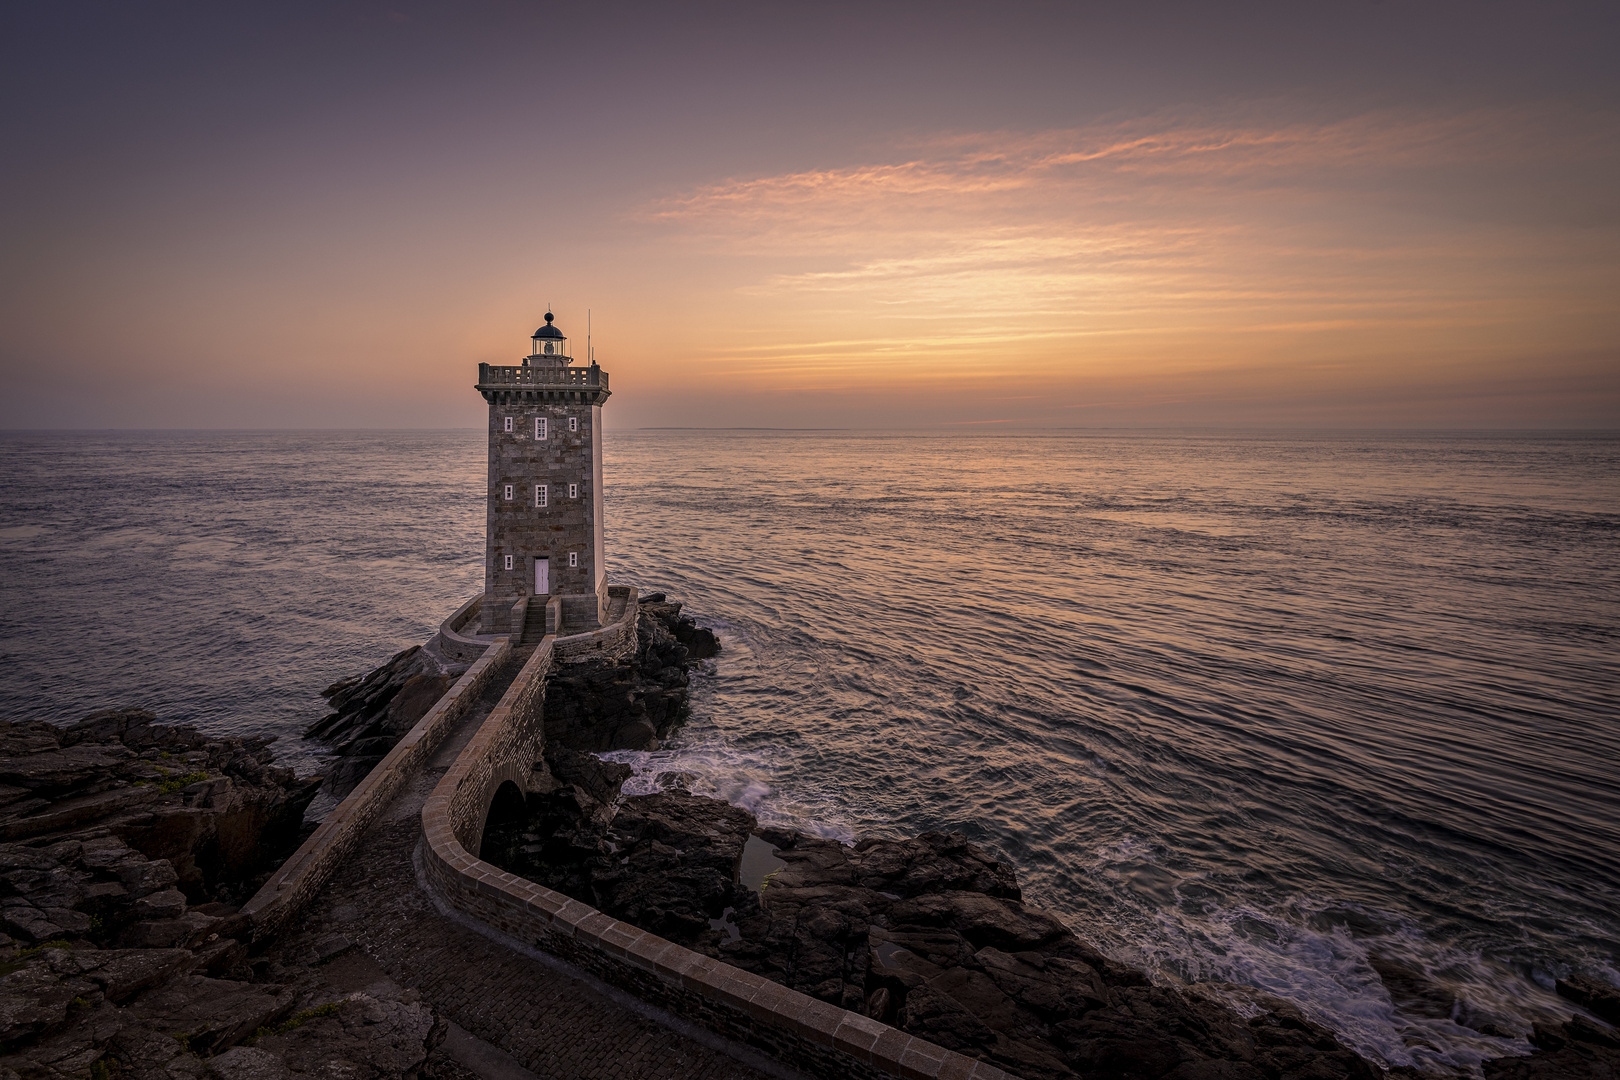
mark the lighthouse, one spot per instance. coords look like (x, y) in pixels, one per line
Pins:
(544, 526)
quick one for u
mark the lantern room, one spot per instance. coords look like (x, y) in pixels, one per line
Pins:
(550, 346)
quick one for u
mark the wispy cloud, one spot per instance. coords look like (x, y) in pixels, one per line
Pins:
(1153, 228)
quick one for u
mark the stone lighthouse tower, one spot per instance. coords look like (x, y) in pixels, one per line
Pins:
(544, 527)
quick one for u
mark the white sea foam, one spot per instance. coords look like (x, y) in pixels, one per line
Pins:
(745, 780)
(1304, 950)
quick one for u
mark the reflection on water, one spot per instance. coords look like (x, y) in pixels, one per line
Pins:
(1329, 717)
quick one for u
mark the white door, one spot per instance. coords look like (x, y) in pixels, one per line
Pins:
(542, 577)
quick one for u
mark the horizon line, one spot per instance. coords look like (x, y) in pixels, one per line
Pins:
(944, 424)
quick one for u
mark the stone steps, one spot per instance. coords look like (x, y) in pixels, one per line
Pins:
(534, 623)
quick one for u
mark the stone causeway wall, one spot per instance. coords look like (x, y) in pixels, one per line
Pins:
(303, 875)
(615, 641)
(821, 1039)
(509, 744)
(456, 638)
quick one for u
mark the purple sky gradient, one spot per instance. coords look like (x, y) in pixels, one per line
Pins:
(1368, 215)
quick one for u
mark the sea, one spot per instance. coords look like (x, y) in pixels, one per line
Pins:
(1326, 716)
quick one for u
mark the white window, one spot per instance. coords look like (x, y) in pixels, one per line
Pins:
(573, 558)
(506, 493)
(509, 562)
(573, 491)
(573, 423)
(506, 424)
(539, 494)
(539, 427)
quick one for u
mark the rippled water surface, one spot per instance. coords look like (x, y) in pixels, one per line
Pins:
(1274, 709)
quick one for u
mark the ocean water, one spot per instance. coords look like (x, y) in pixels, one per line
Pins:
(1269, 709)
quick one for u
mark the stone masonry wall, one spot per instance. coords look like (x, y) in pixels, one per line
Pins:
(510, 742)
(566, 525)
(812, 1035)
(454, 641)
(616, 641)
(301, 876)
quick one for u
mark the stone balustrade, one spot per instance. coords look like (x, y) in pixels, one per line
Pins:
(493, 377)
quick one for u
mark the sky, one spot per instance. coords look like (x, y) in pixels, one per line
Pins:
(876, 215)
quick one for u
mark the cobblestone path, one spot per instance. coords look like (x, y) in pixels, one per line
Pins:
(553, 1025)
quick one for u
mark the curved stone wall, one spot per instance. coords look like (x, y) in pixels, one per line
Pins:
(454, 642)
(812, 1035)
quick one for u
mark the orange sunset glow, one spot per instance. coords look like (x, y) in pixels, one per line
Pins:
(1298, 233)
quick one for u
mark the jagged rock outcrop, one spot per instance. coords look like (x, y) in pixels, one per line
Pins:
(928, 934)
(70, 1011)
(1581, 1048)
(602, 705)
(372, 712)
(122, 952)
(216, 810)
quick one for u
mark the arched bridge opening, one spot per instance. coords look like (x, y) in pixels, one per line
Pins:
(504, 824)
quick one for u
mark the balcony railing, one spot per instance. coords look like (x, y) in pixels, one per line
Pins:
(541, 375)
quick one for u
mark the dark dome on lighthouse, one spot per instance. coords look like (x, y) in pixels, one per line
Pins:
(548, 331)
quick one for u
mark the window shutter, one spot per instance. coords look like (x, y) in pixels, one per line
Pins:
(539, 427)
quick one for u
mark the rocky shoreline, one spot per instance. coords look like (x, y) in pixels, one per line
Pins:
(929, 934)
(127, 847)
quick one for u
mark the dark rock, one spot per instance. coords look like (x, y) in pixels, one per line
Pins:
(128, 823)
(123, 973)
(926, 933)
(598, 779)
(1547, 1037)
(164, 904)
(330, 948)
(344, 776)
(248, 1063)
(203, 812)
(213, 1013)
(374, 711)
(1412, 990)
(602, 705)
(1583, 1030)
(221, 956)
(1591, 994)
(185, 931)
(366, 1038)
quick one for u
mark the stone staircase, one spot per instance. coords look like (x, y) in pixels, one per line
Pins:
(578, 616)
(534, 622)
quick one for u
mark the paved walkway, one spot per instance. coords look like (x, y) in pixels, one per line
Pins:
(531, 1016)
